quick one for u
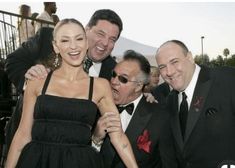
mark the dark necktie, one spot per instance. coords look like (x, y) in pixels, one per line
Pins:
(183, 113)
(88, 63)
(129, 108)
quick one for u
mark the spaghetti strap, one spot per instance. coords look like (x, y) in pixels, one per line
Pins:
(46, 83)
(44, 91)
(91, 88)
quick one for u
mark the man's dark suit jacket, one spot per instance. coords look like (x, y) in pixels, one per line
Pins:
(210, 130)
(150, 118)
(28, 54)
(107, 66)
(161, 92)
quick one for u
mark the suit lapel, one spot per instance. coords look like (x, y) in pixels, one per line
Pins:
(139, 121)
(200, 94)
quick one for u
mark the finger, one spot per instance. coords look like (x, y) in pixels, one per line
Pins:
(30, 74)
(112, 129)
(42, 70)
(150, 99)
(34, 72)
(109, 121)
(107, 114)
(113, 124)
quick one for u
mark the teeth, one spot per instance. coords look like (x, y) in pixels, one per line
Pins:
(99, 48)
(114, 90)
(74, 53)
(115, 94)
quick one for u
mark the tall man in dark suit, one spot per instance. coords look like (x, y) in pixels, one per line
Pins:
(202, 107)
(144, 123)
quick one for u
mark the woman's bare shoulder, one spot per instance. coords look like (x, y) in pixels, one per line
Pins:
(101, 81)
(35, 85)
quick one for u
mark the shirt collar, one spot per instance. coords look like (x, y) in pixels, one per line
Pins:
(135, 102)
(190, 89)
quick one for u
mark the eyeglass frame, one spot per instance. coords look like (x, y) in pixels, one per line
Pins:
(121, 78)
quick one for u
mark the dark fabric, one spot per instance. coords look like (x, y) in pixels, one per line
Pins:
(91, 88)
(129, 108)
(161, 92)
(183, 113)
(153, 118)
(209, 135)
(13, 123)
(28, 54)
(107, 66)
(61, 134)
(5, 89)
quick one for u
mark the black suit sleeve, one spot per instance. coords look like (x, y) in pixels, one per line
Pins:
(108, 65)
(27, 55)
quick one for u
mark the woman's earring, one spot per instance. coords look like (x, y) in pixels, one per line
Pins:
(56, 61)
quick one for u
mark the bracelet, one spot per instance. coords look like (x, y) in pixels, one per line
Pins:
(97, 143)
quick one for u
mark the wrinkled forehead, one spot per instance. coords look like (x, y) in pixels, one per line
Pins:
(127, 67)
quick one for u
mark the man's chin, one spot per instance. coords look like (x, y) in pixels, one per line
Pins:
(98, 57)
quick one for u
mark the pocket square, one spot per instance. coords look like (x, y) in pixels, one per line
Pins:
(143, 142)
(211, 111)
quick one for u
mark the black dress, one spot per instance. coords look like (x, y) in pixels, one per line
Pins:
(61, 133)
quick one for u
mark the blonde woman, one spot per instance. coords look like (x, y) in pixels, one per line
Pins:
(60, 111)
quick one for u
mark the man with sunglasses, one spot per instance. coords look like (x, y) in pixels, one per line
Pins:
(145, 124)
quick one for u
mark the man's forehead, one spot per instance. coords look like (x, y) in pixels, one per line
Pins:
(169, 49)
(127, 66)
(168, 45)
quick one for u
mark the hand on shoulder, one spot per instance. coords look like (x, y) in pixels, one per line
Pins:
(37, 72)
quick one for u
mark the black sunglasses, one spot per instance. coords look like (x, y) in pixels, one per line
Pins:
(121, 78)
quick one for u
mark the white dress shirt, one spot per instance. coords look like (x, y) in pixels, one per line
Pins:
(125, 117)
(94, 70)
(191, 87)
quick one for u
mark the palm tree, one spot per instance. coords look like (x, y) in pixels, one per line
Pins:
(226, 53)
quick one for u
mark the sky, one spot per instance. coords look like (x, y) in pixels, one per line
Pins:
(153, 23)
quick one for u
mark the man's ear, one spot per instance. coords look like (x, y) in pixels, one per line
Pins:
(190, 57)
